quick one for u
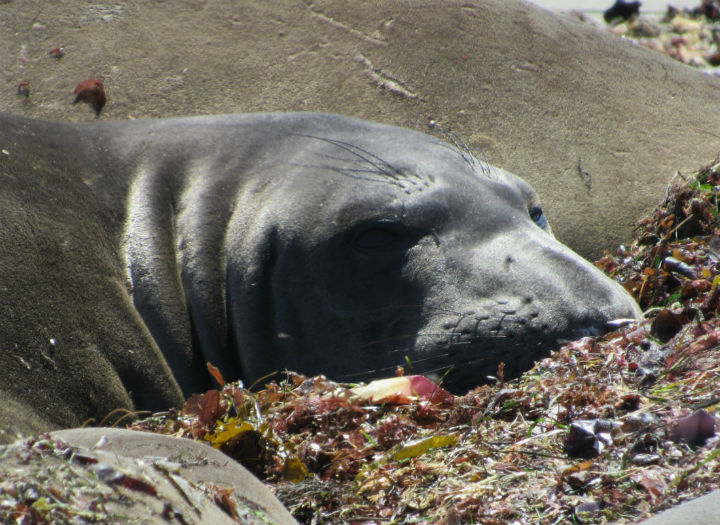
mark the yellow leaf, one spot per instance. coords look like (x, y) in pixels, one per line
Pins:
(42, 505)
(226, 431)
(294, 470)
(679, 255)
(418, 447)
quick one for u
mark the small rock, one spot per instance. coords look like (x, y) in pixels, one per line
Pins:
(622, 10)
(645, 28)
(23, 89)
(694, 429)
(643, 460)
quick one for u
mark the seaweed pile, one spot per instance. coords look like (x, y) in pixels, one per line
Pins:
(691, 36)
(613, 428)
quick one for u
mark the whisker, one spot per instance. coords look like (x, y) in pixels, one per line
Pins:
(373, 169)
(351, 174)
(424, 364)
(378, 164)
(460, 146)
(381, 165)
(475, 338)
(387, 339)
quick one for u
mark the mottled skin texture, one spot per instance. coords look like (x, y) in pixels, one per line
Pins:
(202, 467)
(261, 242)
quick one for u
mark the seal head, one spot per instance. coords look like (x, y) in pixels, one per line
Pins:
(324, 244)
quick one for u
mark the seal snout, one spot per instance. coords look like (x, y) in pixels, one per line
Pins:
(543, 297)
(598, 305)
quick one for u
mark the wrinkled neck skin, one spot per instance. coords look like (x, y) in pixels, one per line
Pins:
(322, 244)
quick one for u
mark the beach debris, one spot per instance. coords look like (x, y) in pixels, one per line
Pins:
(403, 390)
(690, 36)
(23, 89)
(57, 52)
(694, 429)
(91, 91)
(622, 10)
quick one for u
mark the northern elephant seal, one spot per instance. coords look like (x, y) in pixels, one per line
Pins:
(596, 124)
(314, 242)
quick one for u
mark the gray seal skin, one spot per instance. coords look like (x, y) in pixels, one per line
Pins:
(325, 244)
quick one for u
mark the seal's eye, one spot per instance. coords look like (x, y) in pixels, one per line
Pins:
(538, 217)
(376, 239)
(379, 237)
